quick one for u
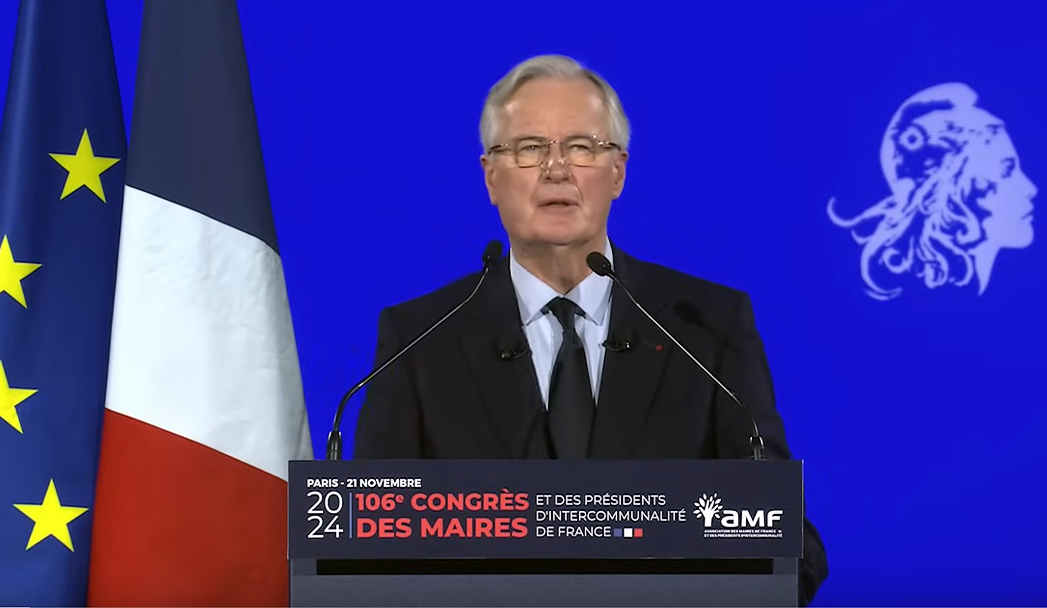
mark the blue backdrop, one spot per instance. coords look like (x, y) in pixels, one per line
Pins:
(919, 416)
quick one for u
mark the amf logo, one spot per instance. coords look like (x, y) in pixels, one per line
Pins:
(731, 523)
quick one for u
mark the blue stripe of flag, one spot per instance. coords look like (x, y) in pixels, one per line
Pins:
(195, 142)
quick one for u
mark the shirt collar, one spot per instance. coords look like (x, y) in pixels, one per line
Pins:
(592, 295)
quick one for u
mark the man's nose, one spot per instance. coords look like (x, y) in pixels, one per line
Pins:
(555, 165)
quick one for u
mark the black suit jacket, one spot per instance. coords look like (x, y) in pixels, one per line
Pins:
(453, 396)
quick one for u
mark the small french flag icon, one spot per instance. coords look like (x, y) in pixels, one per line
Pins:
(633, 532)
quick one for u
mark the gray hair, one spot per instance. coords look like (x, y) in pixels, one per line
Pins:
(554, 66)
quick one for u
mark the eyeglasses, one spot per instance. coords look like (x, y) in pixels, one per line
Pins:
(578, 150)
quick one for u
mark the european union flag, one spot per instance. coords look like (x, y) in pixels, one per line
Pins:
(62, 151)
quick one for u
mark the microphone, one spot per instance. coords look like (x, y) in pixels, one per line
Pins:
(599, 264)
(491, 255)
(617, 344)
(510, 349)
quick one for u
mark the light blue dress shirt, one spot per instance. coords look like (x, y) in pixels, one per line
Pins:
(544, 334)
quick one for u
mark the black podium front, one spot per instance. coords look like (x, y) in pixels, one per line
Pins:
(545, 533)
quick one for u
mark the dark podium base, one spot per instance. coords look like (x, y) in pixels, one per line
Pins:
(544, 583)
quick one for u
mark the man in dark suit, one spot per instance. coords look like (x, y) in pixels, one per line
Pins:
(507, 378)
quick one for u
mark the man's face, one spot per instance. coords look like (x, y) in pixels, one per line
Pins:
(555, 203)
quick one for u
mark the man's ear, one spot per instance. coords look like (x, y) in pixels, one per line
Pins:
(487, 164)
(619, 173)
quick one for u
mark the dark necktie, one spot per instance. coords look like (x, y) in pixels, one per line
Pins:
(570, 393)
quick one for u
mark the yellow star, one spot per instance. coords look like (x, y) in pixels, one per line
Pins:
(50, 518)
(12, 273)
(85, 169)
(11, 397)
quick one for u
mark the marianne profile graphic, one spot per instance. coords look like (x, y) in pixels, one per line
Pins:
(958, 196)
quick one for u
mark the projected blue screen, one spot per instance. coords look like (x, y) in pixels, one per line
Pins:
(866, 171)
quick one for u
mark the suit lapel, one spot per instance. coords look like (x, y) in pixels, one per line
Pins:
(630, 378)
(508, 388)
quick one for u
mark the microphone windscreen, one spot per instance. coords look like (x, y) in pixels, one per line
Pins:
(492, 253)
(598, 263)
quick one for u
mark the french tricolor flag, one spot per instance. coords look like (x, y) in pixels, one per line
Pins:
(204, 404)
(629, 532)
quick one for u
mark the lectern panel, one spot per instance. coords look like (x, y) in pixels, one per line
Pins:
(545, 533)
(392, 509)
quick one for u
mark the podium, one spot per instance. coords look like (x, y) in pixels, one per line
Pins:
(545, 532)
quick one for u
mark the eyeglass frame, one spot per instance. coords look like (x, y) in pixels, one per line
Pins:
(601, 144)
